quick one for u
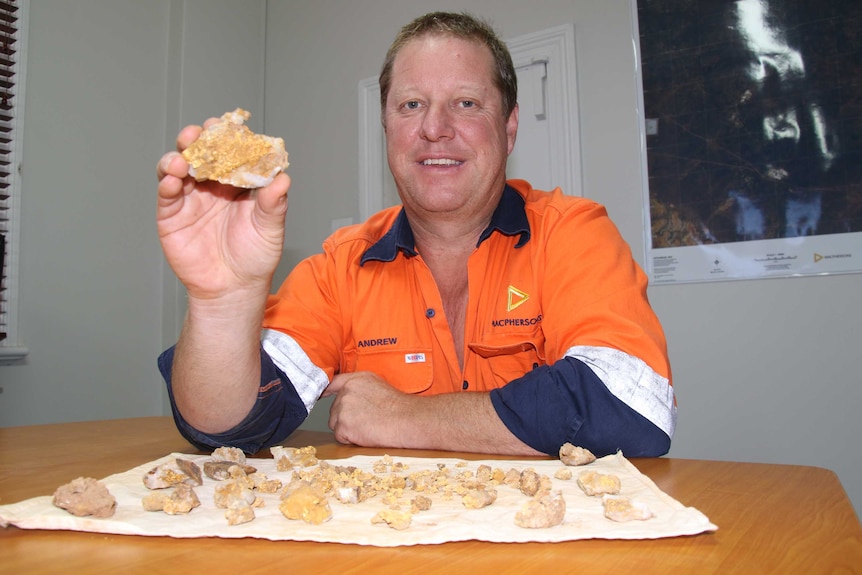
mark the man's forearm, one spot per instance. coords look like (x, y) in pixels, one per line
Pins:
(216, 367)
(459, 422)
(368, 411)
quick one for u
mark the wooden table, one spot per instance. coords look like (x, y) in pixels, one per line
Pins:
(771, 519)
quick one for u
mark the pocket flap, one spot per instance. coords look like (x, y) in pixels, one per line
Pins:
(410, 372)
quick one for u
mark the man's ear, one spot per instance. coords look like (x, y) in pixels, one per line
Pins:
(512, 128)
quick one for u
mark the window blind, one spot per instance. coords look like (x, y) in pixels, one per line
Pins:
(11, 48)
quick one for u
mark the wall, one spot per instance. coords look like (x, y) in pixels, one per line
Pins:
(90, 261)
(102, 104)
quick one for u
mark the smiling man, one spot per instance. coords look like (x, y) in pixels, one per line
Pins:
(480, 315)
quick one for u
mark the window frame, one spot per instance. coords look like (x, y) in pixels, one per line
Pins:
(11, 348)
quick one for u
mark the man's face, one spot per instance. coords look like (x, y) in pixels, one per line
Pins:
(446, 137)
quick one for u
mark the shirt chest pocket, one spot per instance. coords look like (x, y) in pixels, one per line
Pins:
(510, 356)
(409, 371)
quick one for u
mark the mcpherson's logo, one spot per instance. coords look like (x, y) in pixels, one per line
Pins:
(516, 321)
(818, 257)
(515, 298)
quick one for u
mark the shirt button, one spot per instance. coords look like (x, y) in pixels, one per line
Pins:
(429, 312)
(465, 385)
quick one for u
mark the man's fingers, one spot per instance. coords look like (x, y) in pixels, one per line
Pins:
(172, 164)
(211, 121)
(273, 198)
(186, 136)
(336, 385)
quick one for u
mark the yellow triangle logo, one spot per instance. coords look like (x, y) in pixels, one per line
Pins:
(817, 257)
(516, 298)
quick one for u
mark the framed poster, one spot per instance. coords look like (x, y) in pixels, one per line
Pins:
(752, 131)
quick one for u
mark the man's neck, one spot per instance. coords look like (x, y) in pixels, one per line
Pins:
(437, 236)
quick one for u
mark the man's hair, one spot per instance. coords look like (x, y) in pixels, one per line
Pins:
(463, 26)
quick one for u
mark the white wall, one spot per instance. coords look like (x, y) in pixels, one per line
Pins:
(89, 283)
(102, 104)
(764, 370)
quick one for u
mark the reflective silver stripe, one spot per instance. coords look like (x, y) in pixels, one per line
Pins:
(308, 379)
(633, 382)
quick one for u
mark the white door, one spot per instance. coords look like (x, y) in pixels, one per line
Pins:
(531, 158)
(547, 149)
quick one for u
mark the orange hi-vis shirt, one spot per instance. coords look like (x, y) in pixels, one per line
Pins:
(550, 280)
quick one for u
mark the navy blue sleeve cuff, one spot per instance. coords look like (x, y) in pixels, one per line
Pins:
(567, 402)
(277, 412)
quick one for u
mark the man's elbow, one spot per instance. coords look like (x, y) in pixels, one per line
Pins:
(647, 441)
(634, 436)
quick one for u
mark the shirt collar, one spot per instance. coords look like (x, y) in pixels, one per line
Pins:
(509, 219)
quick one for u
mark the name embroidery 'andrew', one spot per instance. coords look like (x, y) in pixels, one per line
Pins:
(377, 342)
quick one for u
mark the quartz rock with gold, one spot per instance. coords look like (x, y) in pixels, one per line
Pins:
(229, 152)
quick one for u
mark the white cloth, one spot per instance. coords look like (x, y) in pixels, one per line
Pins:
(446, 520)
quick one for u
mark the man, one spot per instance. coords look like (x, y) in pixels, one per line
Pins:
(479, 316)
